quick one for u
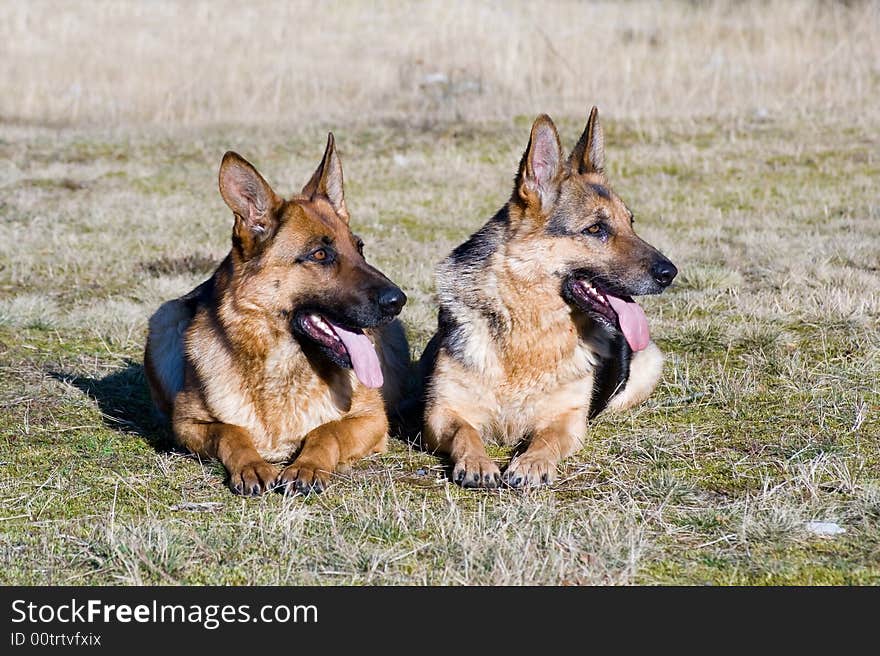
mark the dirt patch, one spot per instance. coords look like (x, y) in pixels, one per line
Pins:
(174, 266)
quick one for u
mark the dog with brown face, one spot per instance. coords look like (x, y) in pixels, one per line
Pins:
(291, 349)
(537, 328)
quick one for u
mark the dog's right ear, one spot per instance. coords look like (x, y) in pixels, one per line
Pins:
(327, 180)
(252, 201)
(540, 170)
(588, 155)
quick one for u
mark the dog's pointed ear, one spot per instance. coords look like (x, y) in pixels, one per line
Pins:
(589, 154)
(540, 170)
(252, 201)
(327, 180)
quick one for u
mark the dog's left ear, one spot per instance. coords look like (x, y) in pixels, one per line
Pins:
(537, 182)
(589, 154)
(327, 180)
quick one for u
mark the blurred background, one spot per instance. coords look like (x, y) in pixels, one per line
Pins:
(195, 63)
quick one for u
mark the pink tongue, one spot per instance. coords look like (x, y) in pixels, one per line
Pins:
(633, 322)
(363, 356)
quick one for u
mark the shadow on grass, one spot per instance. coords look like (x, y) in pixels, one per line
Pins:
(125, 403)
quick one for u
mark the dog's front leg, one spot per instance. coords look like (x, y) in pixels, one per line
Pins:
(249, 473)
(334, 444)
(536, 466)
(450, 434)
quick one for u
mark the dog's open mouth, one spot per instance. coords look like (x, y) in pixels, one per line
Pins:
(350, 347)
(621, 311)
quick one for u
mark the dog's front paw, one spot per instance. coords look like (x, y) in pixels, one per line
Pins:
(476, 471)
(530, 471)
(253, 478)
(303, 477)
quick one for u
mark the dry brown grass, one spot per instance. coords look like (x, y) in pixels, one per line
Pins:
(768, 414)
(766, 418)
(204, 62)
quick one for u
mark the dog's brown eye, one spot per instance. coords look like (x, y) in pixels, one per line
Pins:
(599, 230)
(324, 255)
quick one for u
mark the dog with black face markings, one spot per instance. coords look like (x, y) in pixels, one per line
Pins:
(291, 349)
(537, 329)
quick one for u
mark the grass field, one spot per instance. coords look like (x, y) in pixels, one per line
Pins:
(766, 421)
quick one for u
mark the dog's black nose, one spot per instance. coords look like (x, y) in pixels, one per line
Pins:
(391, 300)
(663, 272)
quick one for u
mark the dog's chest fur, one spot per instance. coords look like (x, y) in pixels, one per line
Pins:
(515, 356)
(542, 372)
(278, 398)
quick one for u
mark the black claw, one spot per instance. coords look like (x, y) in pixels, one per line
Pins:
(255, 489)
(459, 477)
(545, 479)
(476, 477)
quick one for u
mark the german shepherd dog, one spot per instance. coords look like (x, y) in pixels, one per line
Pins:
(290, 348)
(537, 330)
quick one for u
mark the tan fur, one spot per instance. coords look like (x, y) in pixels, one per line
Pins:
(540, 360)
(224, 360)
(514, 361)
(529, 384)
